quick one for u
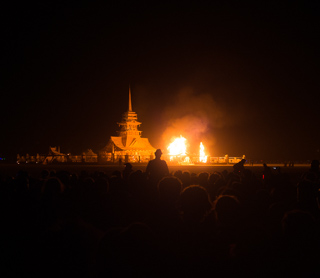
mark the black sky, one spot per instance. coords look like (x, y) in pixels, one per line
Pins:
(67, 67)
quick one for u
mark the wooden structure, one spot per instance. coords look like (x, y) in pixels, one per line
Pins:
(128, 146)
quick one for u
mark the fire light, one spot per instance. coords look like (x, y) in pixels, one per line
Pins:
(178, 147)
(202, 155)
(178, 152)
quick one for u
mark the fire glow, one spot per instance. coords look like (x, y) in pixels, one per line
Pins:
(202, 155)
(178, 151)
(178, 146)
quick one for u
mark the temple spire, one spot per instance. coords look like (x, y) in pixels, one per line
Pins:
(129, 124)
(130, 105)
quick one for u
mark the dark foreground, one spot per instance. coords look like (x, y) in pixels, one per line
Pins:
(97, 221)
(35, 169)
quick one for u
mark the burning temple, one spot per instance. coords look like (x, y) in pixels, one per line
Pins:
(128, 146)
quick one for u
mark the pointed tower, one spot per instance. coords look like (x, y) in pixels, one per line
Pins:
(130, 105)
(129, 124)
(128, 145)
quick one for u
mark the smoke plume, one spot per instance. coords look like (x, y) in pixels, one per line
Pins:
(194, 116)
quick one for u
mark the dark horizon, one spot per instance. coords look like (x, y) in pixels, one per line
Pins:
(242, 78)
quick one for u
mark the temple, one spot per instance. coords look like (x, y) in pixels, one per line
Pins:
(128, 146)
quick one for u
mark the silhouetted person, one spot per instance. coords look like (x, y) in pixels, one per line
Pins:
(195, 236)
(157, 168)
(127, 171)
(315, 166)
(266, 172)
(313, 174)
(300, 244)
(307, 193)
(239, 167)
(186, 179)
(166, 219)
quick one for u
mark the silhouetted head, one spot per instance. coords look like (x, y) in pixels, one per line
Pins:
(169, 189)
(315, 165)
(44, 174)
(128, 165)
(52, 173)
(158, 153)
(88, 184)
(127, 170)
(186, 179)
(116, 173)
(203, 179)
(215, 177)
(21, 184)
(135, 176)
(227, 209)
(306, 191)
(195, 202)
(178, 174)
(102, 184)
(53, 187)
(298, 224)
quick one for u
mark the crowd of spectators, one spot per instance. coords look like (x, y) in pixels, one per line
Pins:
(183, 225)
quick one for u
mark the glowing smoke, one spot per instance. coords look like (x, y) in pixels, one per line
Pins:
(193, 116)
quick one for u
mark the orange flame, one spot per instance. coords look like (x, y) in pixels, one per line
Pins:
(178, 152)
(202, 155)
(178, 146)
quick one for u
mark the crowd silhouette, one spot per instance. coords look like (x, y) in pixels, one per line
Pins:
(160, 224)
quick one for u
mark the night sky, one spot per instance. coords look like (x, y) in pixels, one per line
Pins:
(243, 78)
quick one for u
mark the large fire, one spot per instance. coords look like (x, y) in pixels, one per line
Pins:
(178, 151)
(178, 147)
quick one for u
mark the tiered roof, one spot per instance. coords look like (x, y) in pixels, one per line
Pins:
(129, 138)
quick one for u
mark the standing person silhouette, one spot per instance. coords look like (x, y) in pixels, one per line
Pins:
(157, 168)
